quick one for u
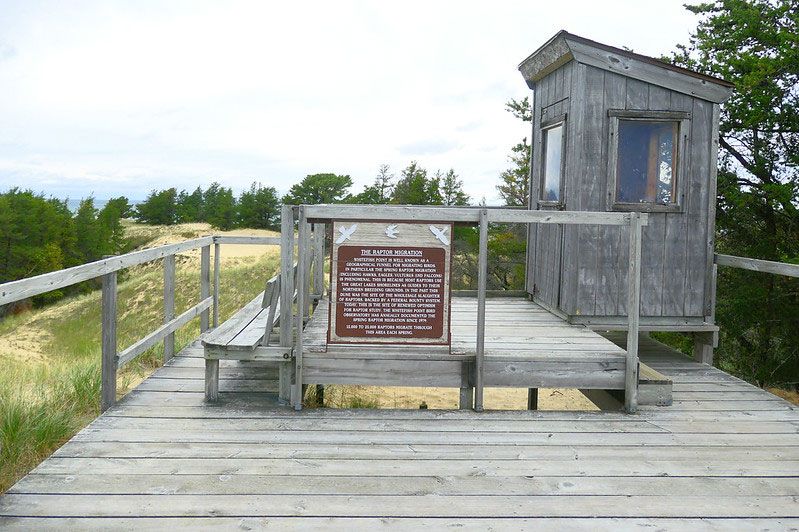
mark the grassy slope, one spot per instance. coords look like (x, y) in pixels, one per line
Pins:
(50, 386)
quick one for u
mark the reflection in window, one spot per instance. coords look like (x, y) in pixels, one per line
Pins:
(553, 148)
(646, 161)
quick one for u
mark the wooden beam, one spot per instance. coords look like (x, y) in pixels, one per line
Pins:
(319, 259)
(633, 312)
(108, 394)
(302, 289)
(482, 274)
(216, 284)
(169, 305)
(252, 240)
(205, 283)
(168, 328)
(39, 284)
(756, 265)
(286, 274)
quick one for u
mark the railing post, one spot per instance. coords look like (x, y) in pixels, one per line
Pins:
(633, 309)
(108, 394)
(169, 304)
(319, 259)
(303, 248)
(482, 274)
(205, 284)
(286, 295)
(217, 261)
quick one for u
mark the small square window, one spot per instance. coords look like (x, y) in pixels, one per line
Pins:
(645, 160)
(552, 142)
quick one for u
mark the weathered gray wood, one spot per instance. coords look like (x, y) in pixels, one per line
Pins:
(287, 275)
(169, 305)
(39, 284)
(633, 308)
(757, 265)
(211, 380)
(482, 274)
(217, 259)
(698, 202)
(319, 259)
(108, 394)
(653, 72)
(273, 303)
(303, 264)
(466, 398)
(205, 283)
(244, 239)
(168, 328)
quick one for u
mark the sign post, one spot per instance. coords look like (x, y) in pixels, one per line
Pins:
(390, 283)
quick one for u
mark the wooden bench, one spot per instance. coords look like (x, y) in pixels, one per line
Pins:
(246, 336)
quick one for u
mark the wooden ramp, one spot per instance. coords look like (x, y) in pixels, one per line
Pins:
(725, 456)
(525, 345)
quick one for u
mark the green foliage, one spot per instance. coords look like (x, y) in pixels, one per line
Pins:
(380, 192)
(258, 208)
(319, 189)
(36, 236)
(755, 45)
(515, 186)
(190, 207)
(452, 189)
(158, 208)
(415, 188)
(219, 206)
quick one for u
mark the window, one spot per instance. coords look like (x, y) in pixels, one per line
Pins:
(646, 159)
(552, 142)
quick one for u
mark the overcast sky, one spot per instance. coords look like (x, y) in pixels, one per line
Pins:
(118, 98)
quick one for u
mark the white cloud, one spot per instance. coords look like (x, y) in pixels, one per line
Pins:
(141, 95)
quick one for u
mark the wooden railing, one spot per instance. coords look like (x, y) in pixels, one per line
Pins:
(308, 215)
(758, 265)
(107, 268)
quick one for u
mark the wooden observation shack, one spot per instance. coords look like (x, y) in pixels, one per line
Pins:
(618, 131)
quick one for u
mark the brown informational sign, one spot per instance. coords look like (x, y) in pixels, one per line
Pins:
(390, 282)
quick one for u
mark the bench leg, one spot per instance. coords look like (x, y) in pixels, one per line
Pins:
(211, 380)
(703, 347)
(466, 398)
(285, 370)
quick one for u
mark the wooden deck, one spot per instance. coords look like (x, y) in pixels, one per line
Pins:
(725, 456)
(525, 345)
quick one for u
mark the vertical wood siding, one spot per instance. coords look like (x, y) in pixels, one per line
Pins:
(582, 270)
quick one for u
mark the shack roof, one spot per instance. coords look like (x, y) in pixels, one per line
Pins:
(564, 47)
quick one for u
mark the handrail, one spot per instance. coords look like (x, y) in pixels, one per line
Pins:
(757, 265)
(47, 282)
(438, 213)
(107, 268)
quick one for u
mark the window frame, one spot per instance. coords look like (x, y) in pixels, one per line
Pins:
(551, 123)
(679, 172)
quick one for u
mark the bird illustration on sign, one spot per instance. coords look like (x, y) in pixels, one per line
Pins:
(346, 233)
(391, 231)
(439, 234)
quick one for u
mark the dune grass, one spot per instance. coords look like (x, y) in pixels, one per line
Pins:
(46, 399)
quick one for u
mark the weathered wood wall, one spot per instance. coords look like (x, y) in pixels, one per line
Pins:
(582, 270)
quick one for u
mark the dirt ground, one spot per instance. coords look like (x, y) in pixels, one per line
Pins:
(448, 398)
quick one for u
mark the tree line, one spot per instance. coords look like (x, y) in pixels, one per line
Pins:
(40, 235)
(259, 206)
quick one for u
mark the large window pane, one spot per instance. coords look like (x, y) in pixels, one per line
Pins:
(553, 148)
(646, 161)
